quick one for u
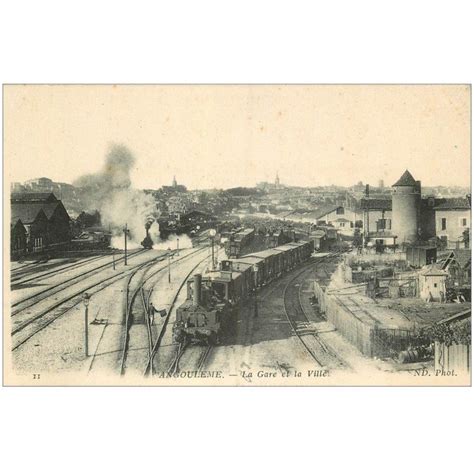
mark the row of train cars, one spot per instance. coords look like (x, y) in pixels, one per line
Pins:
(213, 299)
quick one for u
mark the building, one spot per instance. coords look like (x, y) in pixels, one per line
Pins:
(177, 205)
(44, 218)
(37, 197)
(39, 184)
(432, 284)
(406, 197)
(174, 188)
(453, 222)
(35, 223)
(16, 187)
(17, 239)
(458, 265)
(420, 255)
(375, 214)
(340, 217)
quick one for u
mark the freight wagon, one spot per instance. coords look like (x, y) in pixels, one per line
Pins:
(213, 299)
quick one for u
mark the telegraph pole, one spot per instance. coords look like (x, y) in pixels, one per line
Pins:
(125, 234)
(85, 299)
(212, 252)
(169, 265)
(212, 233)
(255, 273)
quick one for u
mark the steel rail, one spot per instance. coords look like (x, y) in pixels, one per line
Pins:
(287, 311)
(129, 304)
(325, 348)
(63, 269)
(78, 295)
(41, 295)
(147, 370)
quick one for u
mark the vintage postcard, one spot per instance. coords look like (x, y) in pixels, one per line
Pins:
(237, 235)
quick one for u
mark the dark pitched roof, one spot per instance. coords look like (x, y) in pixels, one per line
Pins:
(453, 203)
(33, 197)
(406, 179)
(382, 204)
(28, 211)
(16, 223)
(463, 256)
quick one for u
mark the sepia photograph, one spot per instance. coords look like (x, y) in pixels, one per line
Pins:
(237, 235)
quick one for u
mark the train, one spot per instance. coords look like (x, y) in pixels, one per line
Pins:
(237, 242)
(212, 300)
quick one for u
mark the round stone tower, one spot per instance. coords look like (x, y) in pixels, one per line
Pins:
(406, 195)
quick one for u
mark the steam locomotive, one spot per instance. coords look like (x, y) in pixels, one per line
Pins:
(147, 242)
(213, 299)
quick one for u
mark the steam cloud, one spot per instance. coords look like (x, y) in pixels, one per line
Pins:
(118, 202)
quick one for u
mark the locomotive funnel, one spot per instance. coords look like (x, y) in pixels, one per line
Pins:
(197, 289)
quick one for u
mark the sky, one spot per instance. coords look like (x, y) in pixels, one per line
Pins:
(227, 136)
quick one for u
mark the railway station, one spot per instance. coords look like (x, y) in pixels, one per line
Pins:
(171, 302)
(285, 279)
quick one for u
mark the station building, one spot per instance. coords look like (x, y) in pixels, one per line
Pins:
(39, 222)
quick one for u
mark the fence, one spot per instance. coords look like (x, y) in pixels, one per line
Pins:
(356, 328)
(456, 357)
(389, 342)
(363, 331)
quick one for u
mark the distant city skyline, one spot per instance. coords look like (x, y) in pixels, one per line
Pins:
(230, 136)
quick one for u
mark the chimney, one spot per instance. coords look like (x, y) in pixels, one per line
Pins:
(197, 289)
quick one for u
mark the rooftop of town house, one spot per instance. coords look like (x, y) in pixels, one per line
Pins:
(459, 203)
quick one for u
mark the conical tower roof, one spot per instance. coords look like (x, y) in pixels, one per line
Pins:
(406, 179)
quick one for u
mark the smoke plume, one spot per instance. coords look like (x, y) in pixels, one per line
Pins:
(110, 191)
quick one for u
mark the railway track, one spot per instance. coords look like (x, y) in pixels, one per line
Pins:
(26, 266)
(149, 368)
(26, 329)
(136, 309)
(28, 302)
(193, 357)
(300, 323)
(327, 353)
(21, 281)
(199, 354)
